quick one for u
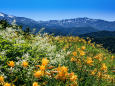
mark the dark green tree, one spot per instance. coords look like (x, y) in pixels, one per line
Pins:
(4, 24)
(27, 30)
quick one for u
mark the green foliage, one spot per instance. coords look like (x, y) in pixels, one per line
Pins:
(72, 52)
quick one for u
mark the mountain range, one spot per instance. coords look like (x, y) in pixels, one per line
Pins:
(75, 26)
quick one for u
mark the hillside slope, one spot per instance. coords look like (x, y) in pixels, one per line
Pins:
(99, 34)
(33, 60)
(106, 38)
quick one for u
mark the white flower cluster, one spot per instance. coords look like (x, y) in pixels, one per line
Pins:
(39, 43)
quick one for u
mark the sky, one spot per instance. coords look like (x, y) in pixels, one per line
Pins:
(59, 9)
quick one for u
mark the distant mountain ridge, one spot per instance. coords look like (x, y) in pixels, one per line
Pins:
(81, 22)
(25, 22)
(74, 26)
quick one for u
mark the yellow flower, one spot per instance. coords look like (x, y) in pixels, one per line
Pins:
(35, 84)
(105, 76)
(105, 58)
(42, 67)
(62, 72)
(99, 57)
(73, 77)
(74, 53)
(11, 63)
(64, 69)
(1, 79)
(38, 74)
(112, 57)
(99, 74)
(7, 84)
(82, 53)
(94, 71)
(89, 41)
(103, 67)
(83, 47)
(45, 61)
(89, 61)
(24, 63)
(72, 59)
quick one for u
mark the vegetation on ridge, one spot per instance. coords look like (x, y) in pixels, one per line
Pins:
(44, 60)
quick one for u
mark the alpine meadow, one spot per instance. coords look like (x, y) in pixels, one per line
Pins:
(45, 60)
(57, 42)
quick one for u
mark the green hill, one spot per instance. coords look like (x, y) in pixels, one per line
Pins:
(106, 38)
(45, 60)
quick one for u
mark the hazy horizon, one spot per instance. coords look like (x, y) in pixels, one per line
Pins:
(60, 9)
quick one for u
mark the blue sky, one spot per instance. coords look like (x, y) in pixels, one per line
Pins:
(59, 9)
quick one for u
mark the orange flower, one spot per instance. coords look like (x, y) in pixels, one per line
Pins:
(35, 84)
(7, 84)
(62, 73)
(99, 57)
(38, 74)
(72, 59)
(83, 47)
(42, 67)
(103, 67)
(99, 74)
(82, 53)
(112, 57)
(73, 77)
(64, 69)
(74, 53)
(24, 63)
(94, 71)
(89, 61)
(1, 79)
(11, 63)
(45, 61)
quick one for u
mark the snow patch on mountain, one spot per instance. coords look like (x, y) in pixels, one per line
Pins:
(1, 14)
(10, 16)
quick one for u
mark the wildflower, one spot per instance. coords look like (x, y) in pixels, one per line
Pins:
(74, 53)
(45, 61)
(62, 73)
(7, 84)
(105, 76)
(63, 68)
(38, 74)
(73, 77)
(112, 57)
(1, 79)
(98, 57)
(94, 71)
(24, 63)
(99, 74)
(89, 61)
(103, 67)
(42, 67)
(82, 53)
(83, 47)
(72, 59)
(35, 84)
(11, 63)
(89, 41)
(105, 58)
